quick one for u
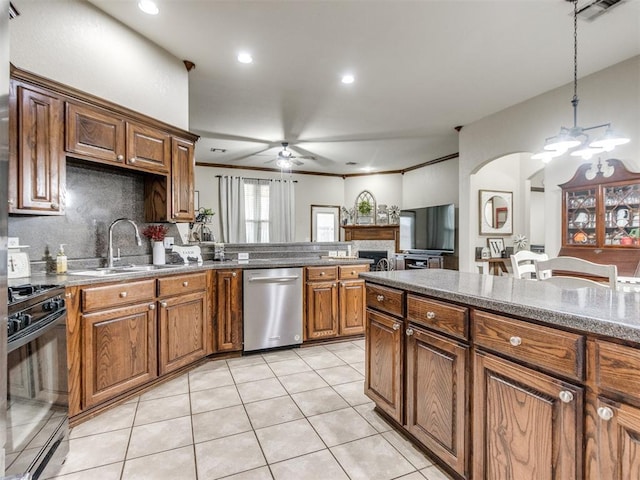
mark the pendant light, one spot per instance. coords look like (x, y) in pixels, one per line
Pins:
(576, 136)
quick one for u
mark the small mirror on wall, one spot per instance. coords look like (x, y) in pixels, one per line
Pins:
(496, 212)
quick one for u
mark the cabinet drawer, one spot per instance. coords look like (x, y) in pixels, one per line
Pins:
(322, 273)
(557, 351)
(440, 316)
(616, 367)
(98, 298)
(386, 299)
(182, 284)
(349, 272)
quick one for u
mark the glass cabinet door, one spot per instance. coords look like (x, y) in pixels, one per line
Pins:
(622, 215)
(581, 217)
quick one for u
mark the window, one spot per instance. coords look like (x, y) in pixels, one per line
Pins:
(256, 210)
(324, 223)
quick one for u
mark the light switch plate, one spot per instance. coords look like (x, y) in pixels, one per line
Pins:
(168, 242)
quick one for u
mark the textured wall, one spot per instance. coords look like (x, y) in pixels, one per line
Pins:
(95, 197)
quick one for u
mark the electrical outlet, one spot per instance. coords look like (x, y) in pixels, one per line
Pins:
(168, 242)
(243, 256)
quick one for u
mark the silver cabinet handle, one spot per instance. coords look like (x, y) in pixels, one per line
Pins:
(234, 274)
(132, 160)
(68, 295)
(431, 315)
(409, 332)
(515, 341)
(120, 158)
(163, 304)
(380, 298)
(152, 306)
(123, 294)
(396, 326)
(185, 284)
(605, 413)
(566, 396)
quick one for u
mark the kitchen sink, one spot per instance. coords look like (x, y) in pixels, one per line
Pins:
(108, 272)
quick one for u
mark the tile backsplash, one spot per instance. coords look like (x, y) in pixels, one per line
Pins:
(96, 196)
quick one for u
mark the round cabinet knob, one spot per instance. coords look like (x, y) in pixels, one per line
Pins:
(234, 274)
(132, 160)
(380, 298)
(396, 326)
(152, 306)
(163, 304)
(54, 206)
(68, 295)
(353, 272)
(431, 315)
(322, 274)
(515, 341)
(123, 294)
(409, 332)
(605, 413)
(185, 284)
(10, 202)
(120, 158)
(566, 396)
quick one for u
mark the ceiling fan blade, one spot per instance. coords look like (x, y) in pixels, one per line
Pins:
(311, 156)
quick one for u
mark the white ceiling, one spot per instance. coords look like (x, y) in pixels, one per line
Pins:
(421, 68)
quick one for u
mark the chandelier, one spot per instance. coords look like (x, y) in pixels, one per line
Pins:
(577, 137)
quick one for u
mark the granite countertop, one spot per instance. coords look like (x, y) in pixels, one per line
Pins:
(601, 311)
(73, 280)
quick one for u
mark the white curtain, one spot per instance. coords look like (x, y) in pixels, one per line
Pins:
(282, 211)
(232, 216)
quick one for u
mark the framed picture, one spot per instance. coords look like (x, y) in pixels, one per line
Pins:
(496, 245)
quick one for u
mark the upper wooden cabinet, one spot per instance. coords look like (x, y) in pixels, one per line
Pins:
(36, 158)
(601, 215)
(49, 119)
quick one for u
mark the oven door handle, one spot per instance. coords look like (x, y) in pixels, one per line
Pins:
(43, 327)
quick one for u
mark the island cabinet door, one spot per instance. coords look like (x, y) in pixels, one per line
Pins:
(383, 357)
(527, 425)
(615, 439)
(436, 395)
(183, 334)
(119, 351)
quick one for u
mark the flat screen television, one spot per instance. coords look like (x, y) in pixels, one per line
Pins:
(429, 229)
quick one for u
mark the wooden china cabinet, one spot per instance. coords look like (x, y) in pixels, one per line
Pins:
(601, 216)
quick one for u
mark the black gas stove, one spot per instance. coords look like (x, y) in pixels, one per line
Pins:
(30, 308)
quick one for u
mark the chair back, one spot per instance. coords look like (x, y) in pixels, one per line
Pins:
(523, 263)
(561, 270)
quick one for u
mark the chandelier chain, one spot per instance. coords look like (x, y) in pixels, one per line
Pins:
(574, 101)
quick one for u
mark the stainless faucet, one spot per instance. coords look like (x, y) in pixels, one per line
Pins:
(113, 224)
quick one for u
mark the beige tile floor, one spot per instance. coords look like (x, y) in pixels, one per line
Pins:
(296, 414)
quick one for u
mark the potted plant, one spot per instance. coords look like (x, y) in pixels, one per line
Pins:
(364, 208)
(156, 234)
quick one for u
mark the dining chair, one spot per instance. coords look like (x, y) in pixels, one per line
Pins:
(570, 272)
(523, 263)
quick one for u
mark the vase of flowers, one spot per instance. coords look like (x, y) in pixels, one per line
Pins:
(156, 234)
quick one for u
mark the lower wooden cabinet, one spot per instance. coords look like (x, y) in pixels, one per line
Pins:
(383, 363)
(353, 307)
(118, 351)
(183, 331)
(436, 390)
(228, 321)
(527, 425)
(321, 310)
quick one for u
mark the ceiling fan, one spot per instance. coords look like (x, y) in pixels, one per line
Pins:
(286, 159)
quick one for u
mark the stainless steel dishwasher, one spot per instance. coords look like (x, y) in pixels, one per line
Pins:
(272, 308)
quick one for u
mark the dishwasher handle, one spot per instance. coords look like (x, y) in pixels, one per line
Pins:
(283, 278)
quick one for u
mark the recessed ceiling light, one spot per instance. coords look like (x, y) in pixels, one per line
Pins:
(368, 169)
(348, 78)
(148, 6)
(244, 57)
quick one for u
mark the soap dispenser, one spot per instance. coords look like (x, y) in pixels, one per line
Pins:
(61, 260)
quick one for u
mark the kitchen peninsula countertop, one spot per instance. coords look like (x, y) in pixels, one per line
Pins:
(595, 310)
(73, 280)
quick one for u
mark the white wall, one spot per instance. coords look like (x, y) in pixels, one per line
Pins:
(386, 189)
(433, 185)
(310, 190)
(611, 95)
(74, 43)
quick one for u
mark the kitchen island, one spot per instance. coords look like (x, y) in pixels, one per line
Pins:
(501, 378)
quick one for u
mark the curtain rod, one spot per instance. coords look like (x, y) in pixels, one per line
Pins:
(250, 178)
